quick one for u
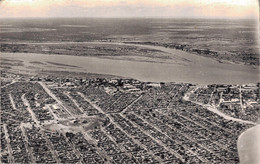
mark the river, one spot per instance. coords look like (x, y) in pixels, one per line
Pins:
(189, 68)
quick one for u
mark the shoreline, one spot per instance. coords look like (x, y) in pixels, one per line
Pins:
(136, 44)
(195, 71)
(220, 60)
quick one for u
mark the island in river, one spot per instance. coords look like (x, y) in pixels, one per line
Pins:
(169, 65)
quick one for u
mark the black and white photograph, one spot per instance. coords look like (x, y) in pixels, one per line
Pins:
(129, 82)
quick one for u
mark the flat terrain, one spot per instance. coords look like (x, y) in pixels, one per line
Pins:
(65, 117)
(142, 62)
(127, 90)
(223, 40)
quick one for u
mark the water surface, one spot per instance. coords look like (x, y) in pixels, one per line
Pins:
(195, 70)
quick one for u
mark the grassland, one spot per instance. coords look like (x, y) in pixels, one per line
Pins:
(223, 40)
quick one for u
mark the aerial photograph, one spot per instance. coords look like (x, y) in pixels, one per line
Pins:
(129, 81)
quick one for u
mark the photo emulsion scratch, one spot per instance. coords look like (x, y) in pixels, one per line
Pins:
(129, 81)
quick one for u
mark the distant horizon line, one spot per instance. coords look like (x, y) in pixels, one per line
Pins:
(144, 17)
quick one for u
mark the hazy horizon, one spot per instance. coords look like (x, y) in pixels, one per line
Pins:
(140, 17)
(198, 9)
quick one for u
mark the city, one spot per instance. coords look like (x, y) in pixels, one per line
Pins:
(48, 119)
(129, 82)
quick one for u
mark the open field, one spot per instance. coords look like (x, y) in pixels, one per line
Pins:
(223, 40)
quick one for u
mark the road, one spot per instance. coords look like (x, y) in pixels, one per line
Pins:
(49, 145)
(119, 127)
(27, 104)
(55, 98)
(214, 109)
(14, 81)
(128, 106)
(11, 158)
(75, 103)
(32, 159)
(154, 139)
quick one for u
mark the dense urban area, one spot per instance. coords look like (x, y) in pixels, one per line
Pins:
(49, 119)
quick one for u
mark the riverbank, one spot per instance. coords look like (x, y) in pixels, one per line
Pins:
(181, 66)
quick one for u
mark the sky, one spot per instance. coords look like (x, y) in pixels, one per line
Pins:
(130, 8)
